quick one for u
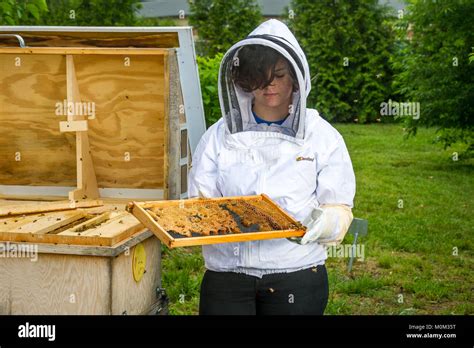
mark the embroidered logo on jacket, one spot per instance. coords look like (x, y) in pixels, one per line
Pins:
(300, 158)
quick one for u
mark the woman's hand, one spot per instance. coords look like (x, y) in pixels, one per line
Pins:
(327, 224)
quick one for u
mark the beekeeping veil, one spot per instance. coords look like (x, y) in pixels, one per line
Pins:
(236, 104)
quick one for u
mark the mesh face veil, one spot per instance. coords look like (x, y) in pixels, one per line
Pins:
(236, 103)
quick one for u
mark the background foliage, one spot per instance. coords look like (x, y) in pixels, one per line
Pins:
(208, 75)
(69, 12)
(357, 33)
(433, 68)
(24, 12)
(222, 23)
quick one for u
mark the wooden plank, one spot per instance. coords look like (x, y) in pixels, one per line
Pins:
(34, 149)
(114, 226)
(53, 239)
(94, 39)
(56, 239)
(78, 229)
(133, 132)
(128, 124)
(107, 207)
(6, 272)
(10, 223)
(46, 224)
(172, 135)
(10, 197)
(58, 284)
(41, 207)
(166, 133)
(86, 179)
(128, 232)
(83, 51)
(119, 227)
(237, 237)
(92, 250)
(176, 93)
(173, 202)
(145, 218)
(73, 126)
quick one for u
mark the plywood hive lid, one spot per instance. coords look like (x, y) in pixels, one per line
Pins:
(124, 96)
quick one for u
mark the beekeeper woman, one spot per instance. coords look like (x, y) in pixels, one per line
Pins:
(268, 142)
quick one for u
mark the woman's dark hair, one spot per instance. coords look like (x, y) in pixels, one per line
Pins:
(250, 71)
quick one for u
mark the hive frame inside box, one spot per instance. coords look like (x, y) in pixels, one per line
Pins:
(139, 210)
(86, 223)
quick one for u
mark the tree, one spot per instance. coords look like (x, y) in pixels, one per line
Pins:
(69, 12)
(222, 23)
(433, 68)
(22, 12)
(348, 45)
(93, 12)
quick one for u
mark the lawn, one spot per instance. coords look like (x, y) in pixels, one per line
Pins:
(419, 249)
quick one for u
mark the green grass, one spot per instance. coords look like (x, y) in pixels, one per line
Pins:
(410, 264)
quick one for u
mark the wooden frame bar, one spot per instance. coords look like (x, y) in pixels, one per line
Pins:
(42, 207)
(86, 178)
(70, 240)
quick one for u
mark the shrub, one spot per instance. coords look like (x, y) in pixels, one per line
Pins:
(208, 75)
(221, 23)
(433, 68)
(80, 12)
(348, 45)
(22, 12)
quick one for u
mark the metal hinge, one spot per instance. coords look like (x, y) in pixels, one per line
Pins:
(18, 37)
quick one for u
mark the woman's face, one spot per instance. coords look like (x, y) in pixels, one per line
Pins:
(277, 94)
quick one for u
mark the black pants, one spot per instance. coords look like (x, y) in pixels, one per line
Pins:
(301, 292)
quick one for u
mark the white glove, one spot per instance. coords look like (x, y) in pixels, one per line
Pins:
(328, 224)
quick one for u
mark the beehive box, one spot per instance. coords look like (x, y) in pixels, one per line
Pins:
(179, 223)
(90, 118)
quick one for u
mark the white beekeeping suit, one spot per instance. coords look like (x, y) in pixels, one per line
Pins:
(302, 165)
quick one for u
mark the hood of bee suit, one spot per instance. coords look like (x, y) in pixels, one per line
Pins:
(236, 104)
